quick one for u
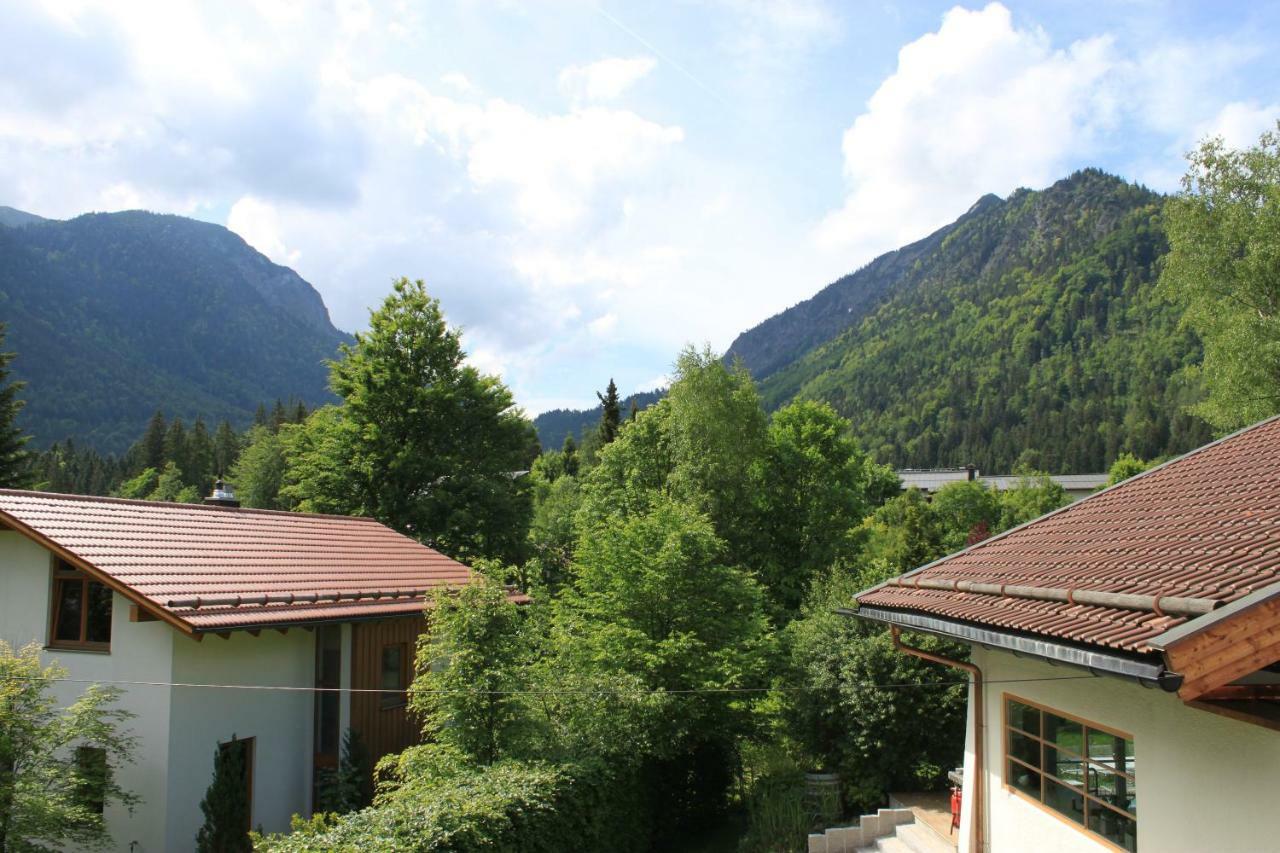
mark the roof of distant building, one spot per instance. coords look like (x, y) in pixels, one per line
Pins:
(217, 568)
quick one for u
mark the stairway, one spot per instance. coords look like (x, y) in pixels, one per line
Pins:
(910, 838)
(886, 831)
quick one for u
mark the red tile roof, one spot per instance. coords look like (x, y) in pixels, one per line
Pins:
(1204, 527)
(189, 563)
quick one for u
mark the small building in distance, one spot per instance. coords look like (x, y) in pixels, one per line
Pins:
(929, 480)
(1128, 642)
(277, 629)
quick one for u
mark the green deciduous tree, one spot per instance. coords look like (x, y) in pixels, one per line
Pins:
(58, 768)
(258, 473)
(1224, 264)
(426, 443)
(1126, 465)
(14, 458)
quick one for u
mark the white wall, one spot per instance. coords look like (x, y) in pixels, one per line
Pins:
(281, 722)
(139, 652)
(1205, 783)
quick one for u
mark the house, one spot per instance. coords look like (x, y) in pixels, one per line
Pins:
(1126, 643)
(929, 480)
(217, 622)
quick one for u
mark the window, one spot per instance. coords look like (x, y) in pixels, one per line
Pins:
(1083, 772)
(81, 611)
(91, 777)
(395, 660)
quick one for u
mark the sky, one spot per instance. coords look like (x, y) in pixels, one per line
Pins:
(588, 186)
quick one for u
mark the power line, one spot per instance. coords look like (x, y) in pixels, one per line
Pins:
(868, 685)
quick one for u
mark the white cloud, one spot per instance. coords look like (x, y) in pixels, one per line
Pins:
(258, 223)
(1240, 123)
(977, 107)
(459, 81)
(603, 325)
(604, 80)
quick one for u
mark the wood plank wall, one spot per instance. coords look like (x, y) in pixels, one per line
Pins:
(385, 730)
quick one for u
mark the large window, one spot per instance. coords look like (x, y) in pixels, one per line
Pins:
(1079, 770)
(81, 616)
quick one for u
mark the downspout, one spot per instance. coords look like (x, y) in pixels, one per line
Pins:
(978, 819)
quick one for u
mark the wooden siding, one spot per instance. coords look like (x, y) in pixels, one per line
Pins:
(1220, 654)
(385, 730)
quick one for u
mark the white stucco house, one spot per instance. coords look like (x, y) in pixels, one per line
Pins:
(217, 622)
(1124, 676)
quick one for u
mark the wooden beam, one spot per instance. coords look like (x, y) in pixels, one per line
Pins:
(284, 630)
(1243, 693)
(1235, 712)
(1225, 665)
(141, 614)
(1218, 655)
(226, 635)
(253, 632)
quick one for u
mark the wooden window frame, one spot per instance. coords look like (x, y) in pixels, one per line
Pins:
(65, 573)
(390, 702)
(1089, 800)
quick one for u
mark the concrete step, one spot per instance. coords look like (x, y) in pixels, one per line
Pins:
(891, 844)
(921, 839)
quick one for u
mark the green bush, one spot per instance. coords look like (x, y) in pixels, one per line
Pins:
(438, 801)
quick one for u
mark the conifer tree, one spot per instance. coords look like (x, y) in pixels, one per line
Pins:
(14, 471)
(299, 412)
(153, 442)
(278, 416)
(611, 417)
(226, 448)
(175, 445)
(226, 804)
(634, 410)
(569, 456)
(260, 416)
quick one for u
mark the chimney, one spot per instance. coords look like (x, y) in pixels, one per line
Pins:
(973, 471)
(222, 496)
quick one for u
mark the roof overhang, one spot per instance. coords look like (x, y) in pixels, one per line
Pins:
(1145, 670)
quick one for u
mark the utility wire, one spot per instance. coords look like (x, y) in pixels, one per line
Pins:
(603, 692)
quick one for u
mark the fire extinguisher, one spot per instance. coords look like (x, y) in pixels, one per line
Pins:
(956, 800)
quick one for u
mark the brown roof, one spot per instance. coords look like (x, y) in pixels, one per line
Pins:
(189, 563)
(1163, 548)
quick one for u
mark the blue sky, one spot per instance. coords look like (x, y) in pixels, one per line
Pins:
(587, 186)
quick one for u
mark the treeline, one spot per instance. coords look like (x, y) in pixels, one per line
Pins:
(170, 461)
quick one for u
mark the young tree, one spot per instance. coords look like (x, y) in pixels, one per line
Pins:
(152, 444)
(226, 448)
(569, 452)
(14, 458)
(258, 474)
(611, 413)
(1224, 263)
(226, 803)
(429, 445)
(1126, 465)
(57, 767)
(475, 654)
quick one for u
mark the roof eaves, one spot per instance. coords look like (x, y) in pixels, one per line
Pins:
(1065, 507)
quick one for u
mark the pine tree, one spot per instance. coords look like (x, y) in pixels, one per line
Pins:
(299, 412)
(569, 456)
(176, 445)
(226, 448)
(634, 410)
(153, 442)
(200, 458)
(611, 417)
(14, 458)
(226, 803)
(260, 416)
(278, 416)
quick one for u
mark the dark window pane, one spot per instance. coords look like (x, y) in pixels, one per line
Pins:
(1026, 781)
(1064, 799)
(1065, 766)
(1111, 788)
(1116, 828)
(1024, 748)
(1111, 751)
(393, 675)
(98, 626)
(1024, 717)
(1066, 734)
(70, 602)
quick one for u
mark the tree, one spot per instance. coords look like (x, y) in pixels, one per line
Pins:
(1224, 264)
(610, 414)
(14, 458)
(425, 443)
(58, 768)
(152, 444)
(226, 803)
(226, 448)
(569, 450)
(1126, 465)
(469, 664)
(258, 474)
(346, 788)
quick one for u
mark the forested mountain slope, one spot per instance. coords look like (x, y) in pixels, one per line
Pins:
(115, 315)
(1030, 330)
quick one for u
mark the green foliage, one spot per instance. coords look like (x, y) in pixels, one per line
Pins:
(14, 462)
(441, 803)
(258, 472)
(421, 441)
(346, 788)
(475, 654)
(1126, 465)
(226, 804)
(1032, 324)
(47, 796)
(610, 413)
(551, 531)
(778, 818)
(556, 425)
(1224, 265)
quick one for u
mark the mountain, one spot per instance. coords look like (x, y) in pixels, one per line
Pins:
(1028, 331)
(114, 315)
(554, 425)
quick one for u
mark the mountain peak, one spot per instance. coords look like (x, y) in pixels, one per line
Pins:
(11, 217)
